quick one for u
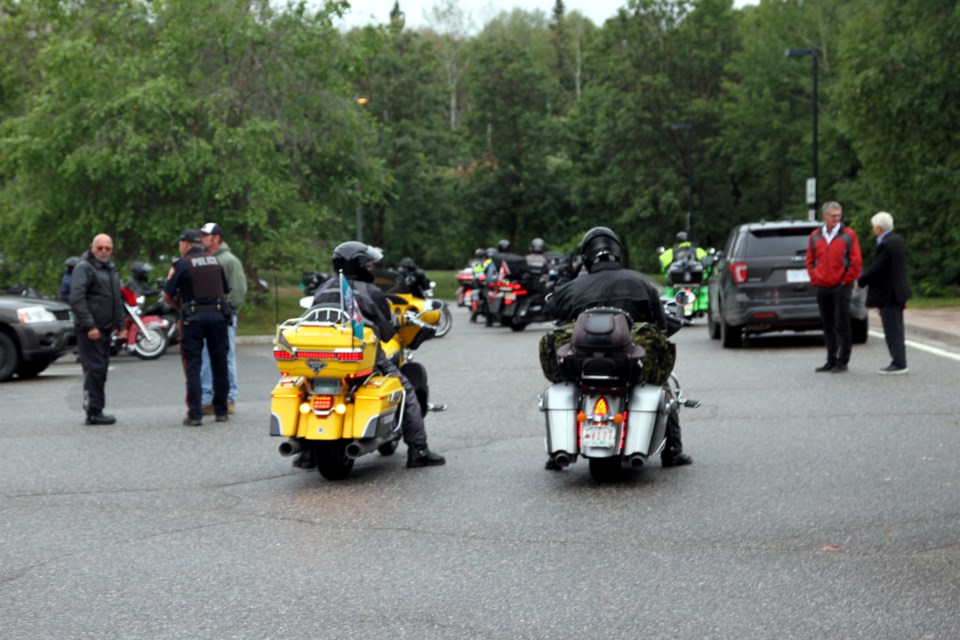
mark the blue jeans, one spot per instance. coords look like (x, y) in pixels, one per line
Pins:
(206, 375)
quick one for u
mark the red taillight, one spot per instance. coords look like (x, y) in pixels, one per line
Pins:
(764, 316)
(601, 409)
(322, 403)
(739, 272)
(348, 356)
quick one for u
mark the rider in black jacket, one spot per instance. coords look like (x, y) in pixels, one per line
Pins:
(608, 284)
(354, 260)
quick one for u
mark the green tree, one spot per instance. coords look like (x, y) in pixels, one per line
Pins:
(152, 116)
(899, 99)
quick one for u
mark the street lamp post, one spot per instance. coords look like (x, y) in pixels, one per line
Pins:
(812, 186)
(360, 101)
(686, 126)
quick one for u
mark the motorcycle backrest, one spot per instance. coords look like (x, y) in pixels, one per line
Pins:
(601, 331)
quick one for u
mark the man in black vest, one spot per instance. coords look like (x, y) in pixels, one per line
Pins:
(197, 287)
(889, 289)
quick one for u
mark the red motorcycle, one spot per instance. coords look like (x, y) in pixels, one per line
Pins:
(147, 336)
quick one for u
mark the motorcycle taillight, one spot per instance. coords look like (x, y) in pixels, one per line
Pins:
(322, 403)
(601, 409)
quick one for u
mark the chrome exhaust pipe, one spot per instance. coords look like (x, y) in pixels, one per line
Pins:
(290, 447)
(636, 461)
(561, 459)
(358, 448)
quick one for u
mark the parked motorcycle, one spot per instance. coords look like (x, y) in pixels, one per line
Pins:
(146, 334)
(331, 400)
(606, 412)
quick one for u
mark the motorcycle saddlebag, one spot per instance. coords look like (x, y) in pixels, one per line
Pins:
(559, 404)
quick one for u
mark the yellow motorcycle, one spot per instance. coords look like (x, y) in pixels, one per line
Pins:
(331, 400)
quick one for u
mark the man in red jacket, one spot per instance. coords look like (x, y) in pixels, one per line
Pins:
(834, 261)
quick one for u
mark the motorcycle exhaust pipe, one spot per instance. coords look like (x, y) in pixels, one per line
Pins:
(635, 461)
(561, 459)
(290, 447)
(357, 448)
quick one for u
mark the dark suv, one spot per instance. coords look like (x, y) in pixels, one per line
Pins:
(760, 284)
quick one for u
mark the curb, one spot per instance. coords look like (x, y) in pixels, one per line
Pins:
(915, 331)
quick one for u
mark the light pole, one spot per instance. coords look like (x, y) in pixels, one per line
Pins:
(686, 126)
(360, 101)
(812, 183)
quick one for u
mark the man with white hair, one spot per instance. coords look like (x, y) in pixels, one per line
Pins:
(888, 289)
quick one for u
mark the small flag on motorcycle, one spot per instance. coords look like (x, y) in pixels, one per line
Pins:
(350, 307)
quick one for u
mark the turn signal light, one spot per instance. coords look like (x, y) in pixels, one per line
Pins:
(581, 416)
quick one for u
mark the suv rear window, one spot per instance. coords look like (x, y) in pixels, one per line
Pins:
(785, 241)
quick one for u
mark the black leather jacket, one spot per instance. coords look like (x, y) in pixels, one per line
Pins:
(609, 286)
(95, 296)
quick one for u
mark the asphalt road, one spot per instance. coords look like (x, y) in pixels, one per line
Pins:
(818, 506)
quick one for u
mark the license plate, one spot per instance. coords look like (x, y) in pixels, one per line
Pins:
(600, 437)
(798, 276)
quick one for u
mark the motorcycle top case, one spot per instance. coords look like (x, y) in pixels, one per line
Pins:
(314, 349)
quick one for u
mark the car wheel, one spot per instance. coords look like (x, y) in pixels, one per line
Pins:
(713, 328)
(9, 359)
(28, 370)
(858, 330)
(731, 336)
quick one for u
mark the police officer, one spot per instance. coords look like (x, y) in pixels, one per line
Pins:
(608, 284)
(354, 260)
(197, 287)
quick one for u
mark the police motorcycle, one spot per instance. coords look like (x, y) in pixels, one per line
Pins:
(607, 410)
(331, 401)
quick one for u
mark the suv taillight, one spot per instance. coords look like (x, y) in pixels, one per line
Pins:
(739, 272)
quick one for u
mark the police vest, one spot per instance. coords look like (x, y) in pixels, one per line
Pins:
(206, 285)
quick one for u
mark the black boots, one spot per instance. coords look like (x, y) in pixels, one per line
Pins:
(423, 457)
(674, 459)
(99, 417)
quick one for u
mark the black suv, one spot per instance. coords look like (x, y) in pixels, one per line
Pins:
(760, 284)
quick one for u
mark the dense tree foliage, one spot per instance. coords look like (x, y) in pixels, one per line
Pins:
(141, 117)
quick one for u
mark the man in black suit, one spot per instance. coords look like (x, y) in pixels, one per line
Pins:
(889, 289)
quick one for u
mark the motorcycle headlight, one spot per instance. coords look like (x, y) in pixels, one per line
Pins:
(26, 315)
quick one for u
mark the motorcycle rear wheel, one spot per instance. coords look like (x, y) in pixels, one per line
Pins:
(150, 344)
(331, 458)
(606, 469)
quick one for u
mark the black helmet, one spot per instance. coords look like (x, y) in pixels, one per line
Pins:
(537, 245)
(681, 236)
(141, 270)
(354, 260)
(491, 252)
(600, 244)
(71, 262)
(408, 264)
(479, 253)
(503, 246)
